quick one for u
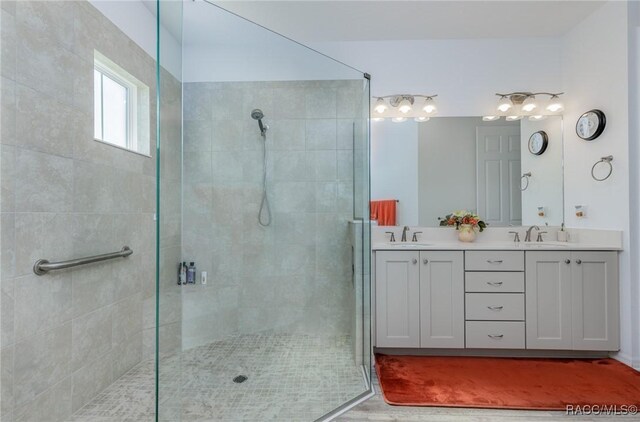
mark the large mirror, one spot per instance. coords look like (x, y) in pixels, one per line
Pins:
(508, 172)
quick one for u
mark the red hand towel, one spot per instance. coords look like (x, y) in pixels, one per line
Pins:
(384, 212)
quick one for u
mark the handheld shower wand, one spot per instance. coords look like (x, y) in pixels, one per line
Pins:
(258, 115)
(265, 220)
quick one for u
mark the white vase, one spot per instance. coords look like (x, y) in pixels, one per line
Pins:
(466, 233)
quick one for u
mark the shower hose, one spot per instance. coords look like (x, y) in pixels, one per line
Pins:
(264, 215)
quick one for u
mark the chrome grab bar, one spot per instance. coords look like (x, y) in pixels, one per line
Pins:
(43, 266)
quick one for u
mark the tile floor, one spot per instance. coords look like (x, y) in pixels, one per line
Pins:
(290, 378)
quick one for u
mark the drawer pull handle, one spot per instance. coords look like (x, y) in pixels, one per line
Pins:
(494, 283)
(494, 261)
(495, 308)
(495, 336)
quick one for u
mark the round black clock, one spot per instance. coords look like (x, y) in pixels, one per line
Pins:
(591, 125)
(538, 142)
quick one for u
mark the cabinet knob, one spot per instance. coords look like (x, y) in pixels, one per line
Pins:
(567, 261)
(425, 261)
(578, 261)
(415, 261)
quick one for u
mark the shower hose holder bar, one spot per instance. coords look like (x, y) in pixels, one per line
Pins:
(43, 266)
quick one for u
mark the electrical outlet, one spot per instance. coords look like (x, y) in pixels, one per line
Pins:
(203, 277)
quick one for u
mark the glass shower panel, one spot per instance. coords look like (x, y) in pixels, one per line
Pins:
(275, 219)
(167, 327)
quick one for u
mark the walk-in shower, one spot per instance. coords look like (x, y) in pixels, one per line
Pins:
(286, 303)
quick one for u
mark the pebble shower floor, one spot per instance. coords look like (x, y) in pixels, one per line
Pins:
(290, 378)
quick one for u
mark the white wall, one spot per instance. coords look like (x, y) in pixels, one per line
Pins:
(394, 156)
(545, 186)
(464, 73)
(595, 75)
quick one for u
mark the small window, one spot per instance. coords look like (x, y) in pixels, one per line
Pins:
(121, 107)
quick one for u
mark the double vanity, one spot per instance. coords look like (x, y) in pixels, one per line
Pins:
(438, 293)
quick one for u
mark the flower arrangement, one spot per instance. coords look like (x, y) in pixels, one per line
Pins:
(463, 217)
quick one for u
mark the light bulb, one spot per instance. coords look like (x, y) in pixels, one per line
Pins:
(422, 119)
(399, 119)
(513, 118)
(537, 117)
(404, 106)
(555, 105)
(381, 106)
(490, 118)
(529, 104)
(504, 104)
(430, 106)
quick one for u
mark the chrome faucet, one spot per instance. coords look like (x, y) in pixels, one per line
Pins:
(404, 233)
(527, 237)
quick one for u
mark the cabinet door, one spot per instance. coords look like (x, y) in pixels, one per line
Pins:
(397, 299)
(442, 299)
(548, 300)
(594, 283)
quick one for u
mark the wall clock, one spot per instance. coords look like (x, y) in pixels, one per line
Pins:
(591, 125)
(538, 142)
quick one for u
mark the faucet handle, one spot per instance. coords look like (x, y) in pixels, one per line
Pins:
(414, 238)
(393, 237)
(516, 236)
(540, 239)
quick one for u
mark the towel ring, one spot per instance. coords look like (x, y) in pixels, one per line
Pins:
(607, 160)
(526, 177)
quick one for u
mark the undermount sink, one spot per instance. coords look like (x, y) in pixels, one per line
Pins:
(408, 245)
(544, 245)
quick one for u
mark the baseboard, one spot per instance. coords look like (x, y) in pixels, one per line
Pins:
(627, 360)
(494, 353)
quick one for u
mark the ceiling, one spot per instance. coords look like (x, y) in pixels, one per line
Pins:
(326, 21)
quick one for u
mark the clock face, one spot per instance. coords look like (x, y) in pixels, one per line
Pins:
(590, 125)
(538, 142)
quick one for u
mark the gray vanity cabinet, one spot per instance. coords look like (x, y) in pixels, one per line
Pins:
(420, 299)
(397, 299)
(442, 299)
(548, 300)
(572, 300)
(595, 306)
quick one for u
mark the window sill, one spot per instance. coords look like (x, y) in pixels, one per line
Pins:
(122, 148)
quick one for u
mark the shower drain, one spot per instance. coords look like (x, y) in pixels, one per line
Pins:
(240, 379)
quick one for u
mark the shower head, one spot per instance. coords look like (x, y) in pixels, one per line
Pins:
(257, 114)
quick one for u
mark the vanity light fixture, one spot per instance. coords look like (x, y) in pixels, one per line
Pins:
(513, 118)
(381, 106)
(418, 107)
(377, 119)
(537, 117)
(555, 105)
(490, 118)
(399, 119)
(526, 103)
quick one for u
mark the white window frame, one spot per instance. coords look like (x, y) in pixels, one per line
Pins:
(133, 86)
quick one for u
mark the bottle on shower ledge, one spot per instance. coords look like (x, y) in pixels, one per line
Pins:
(182, 273)
(191, 273)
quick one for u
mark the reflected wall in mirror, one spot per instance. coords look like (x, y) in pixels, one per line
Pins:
(452, 163)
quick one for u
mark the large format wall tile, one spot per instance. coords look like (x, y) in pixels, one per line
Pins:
(271, 278)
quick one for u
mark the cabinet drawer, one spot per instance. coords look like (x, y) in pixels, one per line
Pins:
(494, 261)
(494, 306)
(494, 335)
(494, 282)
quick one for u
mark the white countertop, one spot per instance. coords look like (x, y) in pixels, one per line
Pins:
(496, 238)
(512, 246)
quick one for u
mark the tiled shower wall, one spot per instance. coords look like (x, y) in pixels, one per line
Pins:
(67, 335)
(294, 276)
